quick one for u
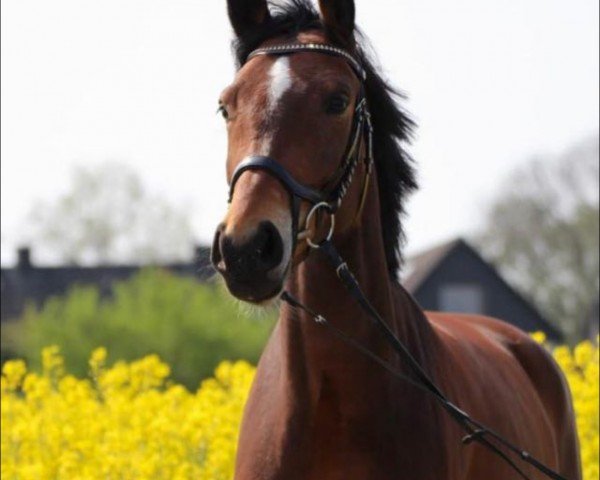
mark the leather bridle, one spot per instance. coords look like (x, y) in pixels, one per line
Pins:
(330, 200)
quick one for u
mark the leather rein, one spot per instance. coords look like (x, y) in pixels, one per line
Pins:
(330, 201)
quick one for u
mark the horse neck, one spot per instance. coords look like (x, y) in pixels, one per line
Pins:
(315, 283)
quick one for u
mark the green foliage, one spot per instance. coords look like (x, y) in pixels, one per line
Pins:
(191, 326)
(543, 232)
(106, 216)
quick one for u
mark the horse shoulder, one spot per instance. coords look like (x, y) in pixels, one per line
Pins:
(551, 384)
(501, 351)
(479, 357)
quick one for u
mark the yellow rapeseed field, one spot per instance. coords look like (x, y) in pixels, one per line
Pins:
(129, 422)
(126, 422)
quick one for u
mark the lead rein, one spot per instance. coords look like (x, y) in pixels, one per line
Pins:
(476, 432)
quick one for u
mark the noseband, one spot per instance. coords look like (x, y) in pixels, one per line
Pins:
(330, 200)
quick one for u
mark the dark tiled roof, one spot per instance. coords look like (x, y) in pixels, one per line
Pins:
(27, 283)
(419, 266)
(422, 266)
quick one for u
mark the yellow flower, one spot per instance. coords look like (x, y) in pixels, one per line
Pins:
(52, 361)
(97, 359)
(130, 421)
(583, 354)
(539, 337)
(13, 373)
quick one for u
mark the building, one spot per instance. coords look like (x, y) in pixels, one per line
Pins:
(29, 283)
(454, 277)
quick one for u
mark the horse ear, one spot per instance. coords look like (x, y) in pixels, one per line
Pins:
(338, 17)
(247, 16)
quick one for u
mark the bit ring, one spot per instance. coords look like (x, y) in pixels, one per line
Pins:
(311, 213)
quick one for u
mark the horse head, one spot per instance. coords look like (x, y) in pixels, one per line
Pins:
(300, 111)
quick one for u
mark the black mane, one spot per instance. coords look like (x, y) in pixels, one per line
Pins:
(392, 126)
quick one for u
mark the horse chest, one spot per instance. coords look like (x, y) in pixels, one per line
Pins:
(345, 436)
(366, 439)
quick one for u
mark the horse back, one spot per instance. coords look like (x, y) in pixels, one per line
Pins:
(503, 378)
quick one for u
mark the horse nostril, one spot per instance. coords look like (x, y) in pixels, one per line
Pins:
(216, 255)
(268, 245)
(257, 256)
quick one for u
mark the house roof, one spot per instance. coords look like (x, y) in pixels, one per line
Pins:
(29, 283)
(420, 267)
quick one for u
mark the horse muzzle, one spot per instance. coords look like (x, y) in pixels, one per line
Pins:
(254, 268)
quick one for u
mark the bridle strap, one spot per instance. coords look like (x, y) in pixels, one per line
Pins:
(351, 156)
(315, 48)
(259, 162)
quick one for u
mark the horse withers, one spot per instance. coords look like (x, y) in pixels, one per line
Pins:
(316, 151)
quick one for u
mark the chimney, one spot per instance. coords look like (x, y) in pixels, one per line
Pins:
(24, 258)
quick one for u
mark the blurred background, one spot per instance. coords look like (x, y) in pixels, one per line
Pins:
(113, 171)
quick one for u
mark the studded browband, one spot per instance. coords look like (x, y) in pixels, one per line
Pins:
(317, 47)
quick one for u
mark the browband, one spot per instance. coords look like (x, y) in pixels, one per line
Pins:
(316, 47)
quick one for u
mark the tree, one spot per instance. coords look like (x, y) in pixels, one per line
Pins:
(107, 216)
(543, 233)
(191, 326)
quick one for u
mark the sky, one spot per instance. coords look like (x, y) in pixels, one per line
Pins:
(491, 83)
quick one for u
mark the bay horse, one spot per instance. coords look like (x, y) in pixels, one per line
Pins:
(316, 135)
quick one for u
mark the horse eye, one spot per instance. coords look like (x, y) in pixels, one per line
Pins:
(223, 111)
(337, 104)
